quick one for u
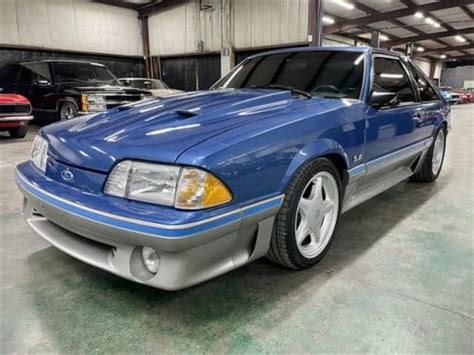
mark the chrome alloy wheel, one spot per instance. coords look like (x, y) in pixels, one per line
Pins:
(316, 214)
(438, 152)
(67, 112)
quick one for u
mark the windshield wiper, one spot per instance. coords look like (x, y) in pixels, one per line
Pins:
(283, 87)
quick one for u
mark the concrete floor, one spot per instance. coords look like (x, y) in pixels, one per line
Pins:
(399, 277)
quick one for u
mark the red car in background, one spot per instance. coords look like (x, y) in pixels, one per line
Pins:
(465, 96)
(15, 114)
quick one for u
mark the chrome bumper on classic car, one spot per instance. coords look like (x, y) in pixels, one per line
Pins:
(189, 253)
(15, 118)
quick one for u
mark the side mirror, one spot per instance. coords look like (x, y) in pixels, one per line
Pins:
(383, 99)
(42, 82)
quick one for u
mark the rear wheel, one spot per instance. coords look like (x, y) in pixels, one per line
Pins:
(19, 132)
(67, 111)
(433, 163)
(305, 224)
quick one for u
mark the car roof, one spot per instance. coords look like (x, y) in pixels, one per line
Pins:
(360, 49)
(61, 61)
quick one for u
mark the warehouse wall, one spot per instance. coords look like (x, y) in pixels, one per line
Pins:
(455, 77)
(77, 25)
(186, 28)
(180, 29)
(259, 23)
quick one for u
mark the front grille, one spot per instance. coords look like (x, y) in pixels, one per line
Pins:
(14, 109)
(120, 99)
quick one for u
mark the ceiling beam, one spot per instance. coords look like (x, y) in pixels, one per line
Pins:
(387, 16)
(435, 35)
(469, 57)
(398, 23)
(467, 12)
(445, 49)
(445, 25)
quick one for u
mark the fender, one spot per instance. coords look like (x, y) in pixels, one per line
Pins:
(311, 151)
(66, 99)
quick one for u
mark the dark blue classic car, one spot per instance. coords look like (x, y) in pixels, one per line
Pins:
(174, 191)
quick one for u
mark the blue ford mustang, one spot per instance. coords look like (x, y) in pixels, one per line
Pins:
(174, 191)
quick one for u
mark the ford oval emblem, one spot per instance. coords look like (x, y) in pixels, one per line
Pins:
(67, 175)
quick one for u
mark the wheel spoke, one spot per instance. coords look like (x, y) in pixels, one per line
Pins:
(316, 190)
(305, 206)
(327, 206)
(315, 236)
(302, 232)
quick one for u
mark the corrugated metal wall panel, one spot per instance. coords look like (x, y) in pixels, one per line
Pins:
(256, 23)
(260, 23)
(77, 25)
(179, 29)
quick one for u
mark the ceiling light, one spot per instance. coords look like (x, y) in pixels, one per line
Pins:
(420, 49)
(391, 76)
(419, 14)
(359, 59)
(432, 22)
(383, 38)
(328, 20)
(345, 4)
(443, 56)
(460, 38)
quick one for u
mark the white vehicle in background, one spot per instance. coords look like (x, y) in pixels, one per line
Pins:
(157, 87)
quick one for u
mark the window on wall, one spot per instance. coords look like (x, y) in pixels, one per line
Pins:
(389, 76)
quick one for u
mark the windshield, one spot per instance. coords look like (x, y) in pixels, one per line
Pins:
(335, 74)
(147, 84)
(84, 73)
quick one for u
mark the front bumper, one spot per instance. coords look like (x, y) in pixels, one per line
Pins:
(15, 118)
(189, 253)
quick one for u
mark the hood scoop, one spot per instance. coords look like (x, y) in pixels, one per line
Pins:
(186, 113)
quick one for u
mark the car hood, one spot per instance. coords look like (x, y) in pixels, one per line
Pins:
(160, 129)
(106, 89)
(13, 99)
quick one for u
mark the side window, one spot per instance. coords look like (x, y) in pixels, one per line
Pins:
(427, 93)
(40, 72)
(389, 76)
(25, 76)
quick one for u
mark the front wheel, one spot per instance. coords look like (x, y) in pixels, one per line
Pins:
(433, 163)
(305, 224)
(67, 111)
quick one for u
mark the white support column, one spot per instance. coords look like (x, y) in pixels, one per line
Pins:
(227, 50)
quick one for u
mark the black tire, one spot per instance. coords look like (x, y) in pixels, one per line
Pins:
(283, 248)
(425, 174)
(19, 132)
(67, 111)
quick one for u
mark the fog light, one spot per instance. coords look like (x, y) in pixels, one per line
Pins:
(150, 259)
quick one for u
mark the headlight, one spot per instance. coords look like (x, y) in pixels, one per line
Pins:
(93, 103)
(185, 188)
(39, 153)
